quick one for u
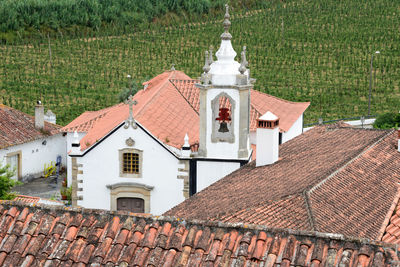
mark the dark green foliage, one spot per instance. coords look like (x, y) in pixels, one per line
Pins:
(387, 121)
(17, 15)
(131, 90)
(6, 183)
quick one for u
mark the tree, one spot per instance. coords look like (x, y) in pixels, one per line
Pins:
(131, 90)
(387, 121)
(6, 183)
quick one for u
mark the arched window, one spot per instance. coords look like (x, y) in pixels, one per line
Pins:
(223, 108)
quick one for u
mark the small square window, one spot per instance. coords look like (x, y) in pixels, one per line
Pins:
(131, 163)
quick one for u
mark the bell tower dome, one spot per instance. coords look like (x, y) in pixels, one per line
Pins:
(225, 102)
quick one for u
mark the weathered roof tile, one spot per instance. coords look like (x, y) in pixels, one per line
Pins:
(194, 243)
(13, 121)
(312, 189)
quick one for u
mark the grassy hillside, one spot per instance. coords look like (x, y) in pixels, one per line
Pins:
(316, 51)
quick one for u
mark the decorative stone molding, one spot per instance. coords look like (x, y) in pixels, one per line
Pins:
(121, 163)
(131, 190)
(130, 121)
(75, 181)
(19, 167)
(185, 177)
(130, 142)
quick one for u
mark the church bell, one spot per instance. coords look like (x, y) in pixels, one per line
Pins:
(223, 127)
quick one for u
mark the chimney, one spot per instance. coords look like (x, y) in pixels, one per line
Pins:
(39, 116)
(186, 148)
(76, 146)
(267, 139)
(50, 117)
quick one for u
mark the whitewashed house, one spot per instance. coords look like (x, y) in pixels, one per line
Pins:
(174, 138)
(28, 143)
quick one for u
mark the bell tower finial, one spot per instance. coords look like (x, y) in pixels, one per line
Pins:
(244, 62)
(227, 23)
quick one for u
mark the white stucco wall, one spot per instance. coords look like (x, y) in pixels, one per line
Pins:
(267, 146)
(295, 130)
(34, 155)
(101, 167)
(223, 150)
(208, 172)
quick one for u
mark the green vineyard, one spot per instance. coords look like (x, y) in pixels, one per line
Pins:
(317, 51)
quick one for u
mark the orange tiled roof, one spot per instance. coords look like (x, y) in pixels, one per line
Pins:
(51, 236)
(27, 199)
(391, 233)
(168, 108)
(260, 103)
(340, 179)
(18, 128)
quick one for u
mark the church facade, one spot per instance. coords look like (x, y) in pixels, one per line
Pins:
(173, 138)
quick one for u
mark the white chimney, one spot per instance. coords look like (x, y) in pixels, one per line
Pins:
(186, 147)
(76, 146)
(39, 116)
(267, 149)
(50, 117)
(398, 140)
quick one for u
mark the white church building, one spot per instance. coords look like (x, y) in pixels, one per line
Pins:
(174, 137)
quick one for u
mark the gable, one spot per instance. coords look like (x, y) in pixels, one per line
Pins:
(168, 109)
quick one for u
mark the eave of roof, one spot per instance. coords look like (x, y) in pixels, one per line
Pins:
(49, 235)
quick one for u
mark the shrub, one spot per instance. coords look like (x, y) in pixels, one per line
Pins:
(6, 183)
(387, 121)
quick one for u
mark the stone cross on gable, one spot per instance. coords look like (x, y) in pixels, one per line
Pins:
(130, 121)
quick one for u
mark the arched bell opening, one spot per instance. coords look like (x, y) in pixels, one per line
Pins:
(223, 111)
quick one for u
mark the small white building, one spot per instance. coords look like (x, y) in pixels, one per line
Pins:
(174, 137)
(28, 143)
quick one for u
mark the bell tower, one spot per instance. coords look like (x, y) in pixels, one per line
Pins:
(225, 102)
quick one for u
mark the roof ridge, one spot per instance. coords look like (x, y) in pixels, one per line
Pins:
(389, 214)
(242, 227)
(309, 210)
(311, 190)
(281, 99)
(187, 101)
(155, 93)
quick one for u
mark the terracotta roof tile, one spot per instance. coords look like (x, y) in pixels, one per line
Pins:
(186, 243)
(168, 108)
(287, 111)
(290, 212)
(17, 127)
(345, 172)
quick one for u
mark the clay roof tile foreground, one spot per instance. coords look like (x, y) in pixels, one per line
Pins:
(17, 127)
(54, 236)
(333, 179)
(168, 107)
